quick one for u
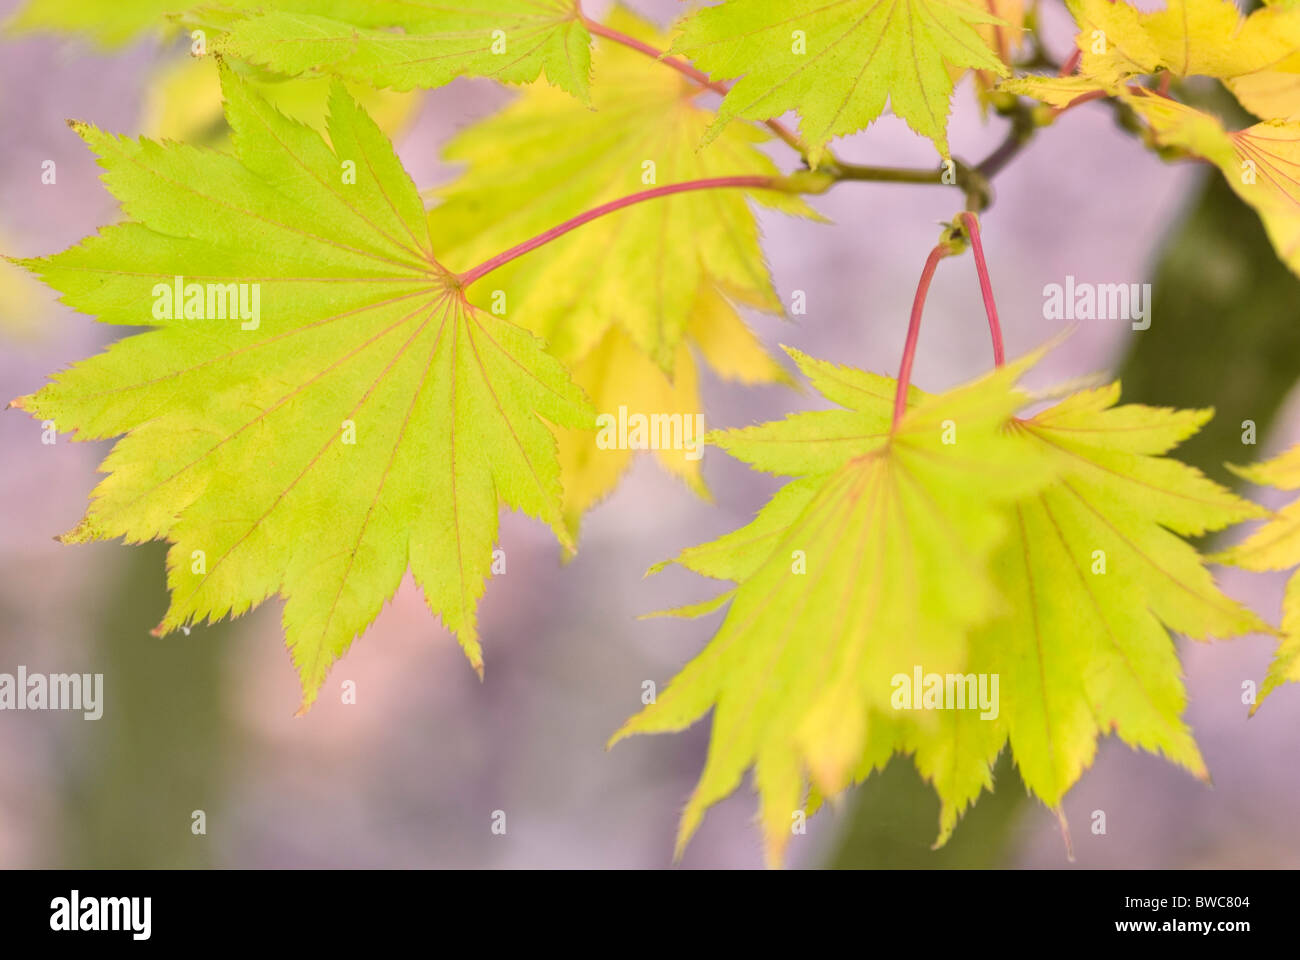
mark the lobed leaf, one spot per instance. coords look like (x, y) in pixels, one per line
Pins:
(635, 300)
(1276, 546)
(852, 574)
(513, 41)
(1254, 55)
(364, 420)
(1042, 554)
(837, 62)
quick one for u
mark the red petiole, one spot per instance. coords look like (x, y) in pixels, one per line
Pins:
(686, 70)
(709, 183)
(972, 225)
(944, 249)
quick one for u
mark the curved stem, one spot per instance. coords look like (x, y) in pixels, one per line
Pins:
(944, 249)
(710, 183)
(857, 171)
(632, 43)
(973, 181)
(687, 70)
(972, 225)
(1083, 98)
(1004, 153)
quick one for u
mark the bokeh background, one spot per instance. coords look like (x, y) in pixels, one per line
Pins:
(409, 776)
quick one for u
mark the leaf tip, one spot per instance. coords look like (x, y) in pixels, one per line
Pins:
(566, 536)
(948, 816)
(691, 818)
(622, 733)
(84, 532)
(1199, 770)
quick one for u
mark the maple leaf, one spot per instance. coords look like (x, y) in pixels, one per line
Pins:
(616, 374)
(363, 418)
(108, 24)
(183, 101)
(1254, 55)
(1096, 575)
(114, 24)
(671, 271)
(1004, 37)
(1273, 92)
(837, 61)
(1259, 162)
(1062, 580)
(565, 159)
(1057, 92)
(1006, 33)
(1276, 546)
(513, 41)
(873, 560)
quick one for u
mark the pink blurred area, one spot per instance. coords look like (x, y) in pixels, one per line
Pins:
(411, 774)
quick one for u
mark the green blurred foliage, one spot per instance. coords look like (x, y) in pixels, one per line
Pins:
(159, 752)
(895, 817)
(1225, 329)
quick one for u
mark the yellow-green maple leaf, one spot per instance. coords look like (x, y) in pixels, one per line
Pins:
(615, 373)
(836, 62)
(108, 24)
(1062, 583)
(1096, 575)
(513, 41)
(1005, 37)
(1260, 163)
(367, 420)
(1253, 54)
(873, 560)
(1273, 92)
(1057, 92)
(1276, 546)
(561, 159)
(183, 101)
(111, 23)
(671, 271)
